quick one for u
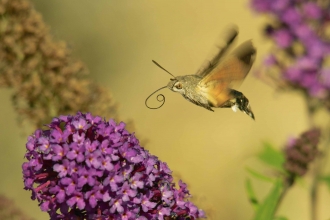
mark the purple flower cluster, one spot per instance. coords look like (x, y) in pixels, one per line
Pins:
(83, 167)
(299, 152)
(299, 29)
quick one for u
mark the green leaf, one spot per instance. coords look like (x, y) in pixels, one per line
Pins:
(259, 175)
(267, 209)
(326, 179)
(251, 195)
(272, 157)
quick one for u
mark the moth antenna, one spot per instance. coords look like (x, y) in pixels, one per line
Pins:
(162, 68)
(160, 98)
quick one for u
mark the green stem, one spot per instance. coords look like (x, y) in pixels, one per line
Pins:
(287, 183)
(314, 193)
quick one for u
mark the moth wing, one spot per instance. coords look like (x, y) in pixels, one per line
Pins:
(234, 68)
(223, 46)
(216, 85)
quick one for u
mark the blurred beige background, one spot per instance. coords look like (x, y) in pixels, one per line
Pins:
(209, 150)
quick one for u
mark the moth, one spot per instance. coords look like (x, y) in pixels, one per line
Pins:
(212, 85)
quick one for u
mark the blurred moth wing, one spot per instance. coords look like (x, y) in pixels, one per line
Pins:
(217, 83)
(225, 43)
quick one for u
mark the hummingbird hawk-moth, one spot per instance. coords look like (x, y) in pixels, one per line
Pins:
(212, 85)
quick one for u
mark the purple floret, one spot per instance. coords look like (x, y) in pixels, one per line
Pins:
(83, 167)
(299, 29)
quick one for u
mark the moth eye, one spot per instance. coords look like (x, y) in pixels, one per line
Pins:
(178, 85)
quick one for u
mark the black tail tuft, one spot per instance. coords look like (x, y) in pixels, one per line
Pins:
(241, 102)
(244, 105)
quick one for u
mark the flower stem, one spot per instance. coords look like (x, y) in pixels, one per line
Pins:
(287, 183)
(316, 171)
(314, 195)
